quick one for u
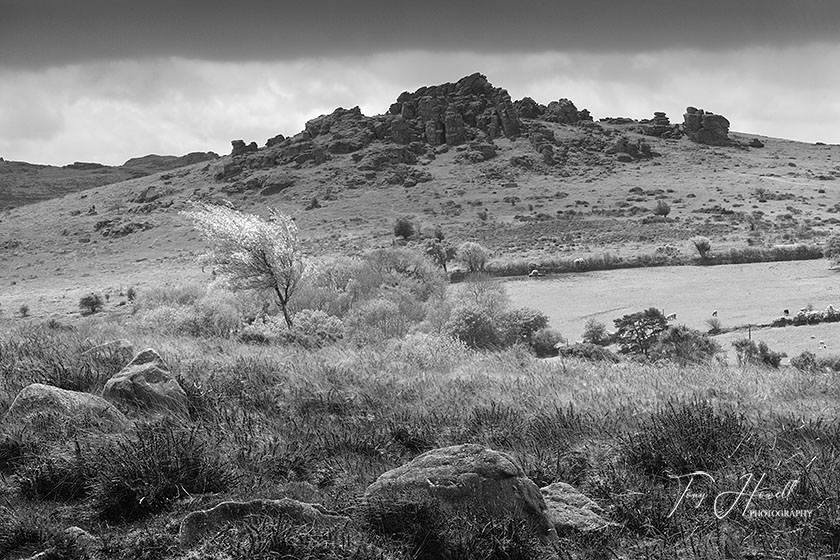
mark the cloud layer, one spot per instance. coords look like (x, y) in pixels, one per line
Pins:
(42, 33)
(109, 111)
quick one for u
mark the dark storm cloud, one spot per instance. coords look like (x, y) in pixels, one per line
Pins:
(54, 32)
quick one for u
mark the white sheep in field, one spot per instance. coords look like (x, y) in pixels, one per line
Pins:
(671, 317)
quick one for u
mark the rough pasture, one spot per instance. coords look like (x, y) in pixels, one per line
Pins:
(742, 294)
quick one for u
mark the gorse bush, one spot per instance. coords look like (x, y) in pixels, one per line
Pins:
(684, 345)
(475, 327)
(544, 342)
(404, 227)
(91, 303)
(662, 208)
(589, 352)
(748, 352)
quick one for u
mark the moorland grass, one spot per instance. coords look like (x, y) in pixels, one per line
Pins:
(322, 424)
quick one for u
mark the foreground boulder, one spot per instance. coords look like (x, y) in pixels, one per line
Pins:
(38, 401)
(147, 384)
(468, 476)
(199, 524)
(570, 510)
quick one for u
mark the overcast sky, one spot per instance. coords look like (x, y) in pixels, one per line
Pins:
(106, 80)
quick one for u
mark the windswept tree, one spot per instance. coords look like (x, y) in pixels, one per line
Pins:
(252, 253)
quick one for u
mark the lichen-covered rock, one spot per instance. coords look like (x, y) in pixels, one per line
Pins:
(467, 476)
(199, 524)
(570, 510)
(147, 384)
(38, 401)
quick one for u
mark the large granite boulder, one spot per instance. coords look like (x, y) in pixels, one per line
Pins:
(199, 524)
(471, 477)
(454, 113)
(706, 128)
(147, 384)
(37, 402)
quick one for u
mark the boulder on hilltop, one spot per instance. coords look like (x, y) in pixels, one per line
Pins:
(562, 111)
(705, 127)
(660, 126)
(454, 113)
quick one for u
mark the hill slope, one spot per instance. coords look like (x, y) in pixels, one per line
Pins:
(25, 183)
(523, 179)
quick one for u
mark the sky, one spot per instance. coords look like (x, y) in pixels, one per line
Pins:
(107, 80)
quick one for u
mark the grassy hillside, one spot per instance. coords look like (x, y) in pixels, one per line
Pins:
(738, 197)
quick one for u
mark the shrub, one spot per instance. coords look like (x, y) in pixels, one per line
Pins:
(714, 324)
(314, 329)
(519, 324)
(404, 227)
(484, 292)
(702, 244)
(377, 320)
(595, 332)
(684, 345)
(24, 310)
(475, 326)
(748, 352)
(59, 478)
(832, 248)
(661, 208)
(91, 303)
(590, 352)
(638, 332)
(401, 268)
(473, 255)
(216, 314)
(439, 252)
(170, 296)
(685, 437)
(17, 531)
(806, 361)
(131, 294)
(544, 342)
(143, 474)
